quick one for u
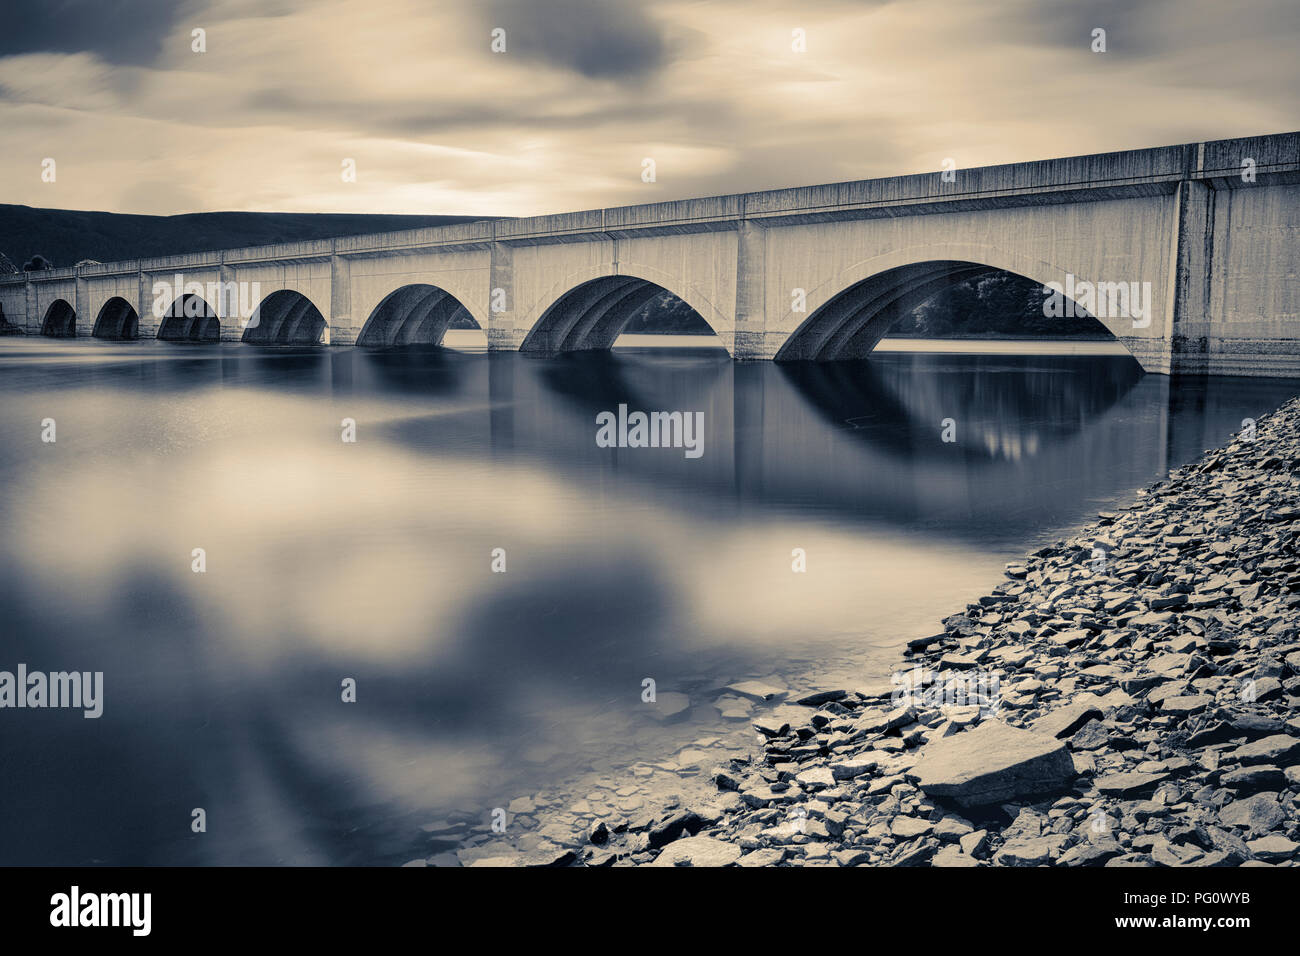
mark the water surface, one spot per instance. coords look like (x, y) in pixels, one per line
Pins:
(372, 561)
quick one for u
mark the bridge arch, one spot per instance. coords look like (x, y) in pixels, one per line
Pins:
(285, 317)
(587, 311)
(60, 320)
(190, 318)
(413, 315)
(117, 320)
(859, 306)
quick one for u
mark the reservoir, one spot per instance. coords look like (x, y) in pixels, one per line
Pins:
(494, 583)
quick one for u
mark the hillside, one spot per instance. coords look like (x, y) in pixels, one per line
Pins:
(65, 236)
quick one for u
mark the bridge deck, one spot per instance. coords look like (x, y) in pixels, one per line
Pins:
(1099, 176)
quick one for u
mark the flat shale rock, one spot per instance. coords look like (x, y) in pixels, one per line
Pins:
(698, 851)
(1128, 783)
(757, 690)
(1254, 778)
(1064, 721)
(816, 778)
(909, 827)
(1259, 813)
(1279, 750)
(1273, 849)
(1091, 853)
(992, 764)
(1090, 736)
(670, 706)
(770, 726)
(914, 854)
(951, 856)
(1186, 706)
(854, 767)
(974, 844)
(763, 857)
(952, 829)
(817, 698)
(1035, 852)
(546, 854)
(734, 708)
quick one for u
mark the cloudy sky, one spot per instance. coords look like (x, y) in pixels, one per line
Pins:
(712, 90)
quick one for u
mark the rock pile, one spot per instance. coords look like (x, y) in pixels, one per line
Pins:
(1126, 697)
(1147, 674)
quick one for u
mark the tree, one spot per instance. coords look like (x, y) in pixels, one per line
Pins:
(994, 305)
(37, 264)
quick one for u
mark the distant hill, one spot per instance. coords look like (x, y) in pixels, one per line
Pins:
(66, 236)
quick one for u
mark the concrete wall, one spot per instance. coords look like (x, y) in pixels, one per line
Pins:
(160, 281)
(463, 273)
(1113, 241)
(46, 294)
(97, 292)
(311, 278)
(13, 298)
(1252, 312)
(699, 268)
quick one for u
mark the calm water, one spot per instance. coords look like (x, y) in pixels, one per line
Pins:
(372, 561)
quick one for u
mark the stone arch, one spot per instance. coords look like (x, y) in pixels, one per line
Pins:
(413, 315)
(587, 311)
(285, 317)
(60, 320)
(117, 320)
(190, 318)
(861, 304)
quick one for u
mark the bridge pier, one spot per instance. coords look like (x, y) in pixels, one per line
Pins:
(341, 328)
(751, 293)
(1188, 338)
(149, 321)
(32, 317)
(227, 304)
(85, 321)
(501, 333)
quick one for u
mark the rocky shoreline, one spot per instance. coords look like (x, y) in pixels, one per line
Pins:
(1125, 697)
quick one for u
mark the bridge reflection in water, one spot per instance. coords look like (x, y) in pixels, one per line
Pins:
(372, 561)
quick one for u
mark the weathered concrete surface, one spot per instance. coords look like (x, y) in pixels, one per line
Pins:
(812, 273)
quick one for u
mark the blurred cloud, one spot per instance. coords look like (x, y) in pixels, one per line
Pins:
(593, 37)
(117, 31)
(714, 92)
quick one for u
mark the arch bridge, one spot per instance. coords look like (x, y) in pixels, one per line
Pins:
(1187, 254)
